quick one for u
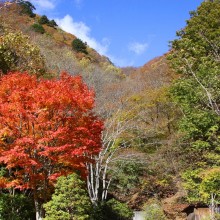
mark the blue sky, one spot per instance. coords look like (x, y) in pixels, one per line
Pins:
(129, 32)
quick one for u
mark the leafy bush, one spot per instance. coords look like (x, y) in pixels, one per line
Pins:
(126, 174)
(44, 20)
(52, 23)
(200, 184)
(118, 210)
(18, 54)
(79, 46)
(154, 211)
(112, 209)
(16, 207)
(38, 28)
(70, 200)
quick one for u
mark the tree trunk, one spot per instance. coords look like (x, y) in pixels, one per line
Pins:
(39, 210)
(212, 206)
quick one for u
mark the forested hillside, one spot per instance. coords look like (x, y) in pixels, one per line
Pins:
(83, 139)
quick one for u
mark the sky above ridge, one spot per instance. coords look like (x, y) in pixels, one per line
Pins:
(129, 32)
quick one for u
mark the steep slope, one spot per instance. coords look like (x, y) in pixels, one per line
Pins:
(13, 18)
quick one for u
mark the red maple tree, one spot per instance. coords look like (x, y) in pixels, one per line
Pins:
(47, 129)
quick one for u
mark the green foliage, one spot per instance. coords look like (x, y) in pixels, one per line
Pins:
(154, 211)
(3, 171)
(16, 207)
(195, 55)
(200, 184)
(70, 200)
(79, 46)
(27, 8)
(117, 210)
(43, 20)
(210, 184)
(192, 180)
(126, 174)
(112, 209)
(52, 23)
(199, 41)
(38, 28)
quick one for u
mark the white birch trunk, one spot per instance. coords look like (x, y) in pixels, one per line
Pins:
(39, 210)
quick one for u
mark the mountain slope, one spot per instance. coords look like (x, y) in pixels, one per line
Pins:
(133, 100)
(23, 22)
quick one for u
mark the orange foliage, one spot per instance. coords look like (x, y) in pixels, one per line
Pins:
(46, 128)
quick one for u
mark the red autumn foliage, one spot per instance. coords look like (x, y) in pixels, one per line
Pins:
(47, 129)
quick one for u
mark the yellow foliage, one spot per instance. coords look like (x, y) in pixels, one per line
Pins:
(210, 183)
(84, 62)
(109, 68)
(18, 54)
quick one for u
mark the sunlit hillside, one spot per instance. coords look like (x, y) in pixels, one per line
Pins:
(119, 139)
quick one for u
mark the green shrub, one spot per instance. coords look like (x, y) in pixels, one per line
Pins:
(38, 28)
(118, 210)
(44, 20)
(79, 46)
(112, 209)
(16, 207)
(154, 211)
(52, 23)
(126, 175)
(70, 200)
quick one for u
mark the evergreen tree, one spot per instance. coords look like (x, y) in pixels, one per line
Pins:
(70, 200)
(79, 46)
(44, 20)
(27, 7)
(52, 23)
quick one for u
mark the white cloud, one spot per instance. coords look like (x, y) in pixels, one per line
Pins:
(44, 4)
(138, 48)
(82, 31)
